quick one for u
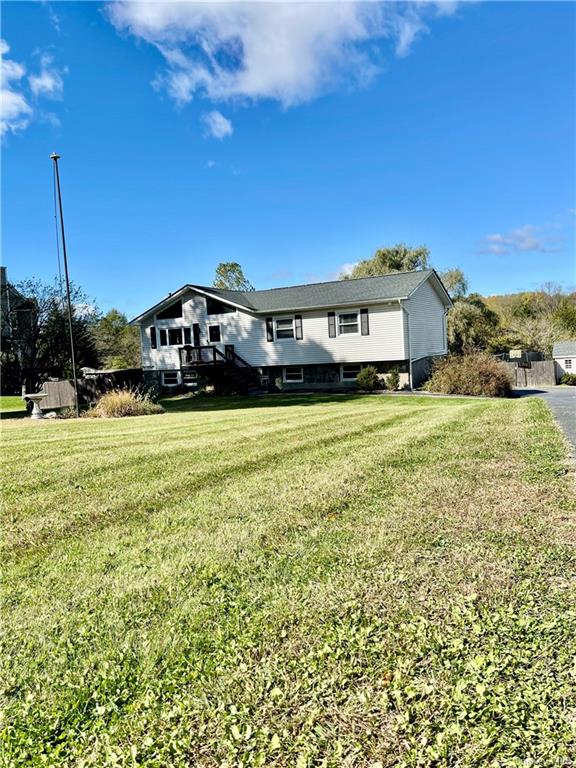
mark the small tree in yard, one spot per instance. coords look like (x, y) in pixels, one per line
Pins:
(393, 380)
(367, 379)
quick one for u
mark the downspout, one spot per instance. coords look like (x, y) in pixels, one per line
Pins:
(405, 311)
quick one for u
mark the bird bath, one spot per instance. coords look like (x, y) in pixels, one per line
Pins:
(35, 400)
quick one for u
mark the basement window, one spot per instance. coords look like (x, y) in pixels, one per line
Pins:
(170, 378)
(349, 372)
(174, 337)
(293, 374)
(568, 363)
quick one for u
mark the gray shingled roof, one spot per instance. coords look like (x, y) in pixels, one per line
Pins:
(564, 349)
(394, 286)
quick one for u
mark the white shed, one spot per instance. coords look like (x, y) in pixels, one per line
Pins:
(564, 354)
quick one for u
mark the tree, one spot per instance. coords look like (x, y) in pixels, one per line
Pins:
(40, 344)
(471, 325)
(229, 275)
(455, 282)
(118, 343)
(396, 258)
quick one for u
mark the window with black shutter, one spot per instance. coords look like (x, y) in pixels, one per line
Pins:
(163, 338)
(364, 325)
(153, 342)
(187, 336)
(214, 333)
(269, 329)
(298, 326)
(332, 325)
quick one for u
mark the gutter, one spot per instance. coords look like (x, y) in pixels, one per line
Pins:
(407, 313)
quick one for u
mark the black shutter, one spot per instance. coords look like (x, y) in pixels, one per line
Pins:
(153, 343)
(332, 325)
(187, 336)
(364, 325)
(269, 329)
(298, 325)
(163, 338)
(196, 332)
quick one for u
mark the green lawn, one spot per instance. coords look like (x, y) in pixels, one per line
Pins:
(315, 581)
(12, 404)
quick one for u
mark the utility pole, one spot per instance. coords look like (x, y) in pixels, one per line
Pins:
(55, 157)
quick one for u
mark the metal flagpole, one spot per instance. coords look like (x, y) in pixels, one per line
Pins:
(55, 157)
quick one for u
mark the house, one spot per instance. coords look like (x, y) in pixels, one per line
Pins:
(315, 336)
(564, 354)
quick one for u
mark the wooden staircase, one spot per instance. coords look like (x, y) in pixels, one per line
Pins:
(227, 371)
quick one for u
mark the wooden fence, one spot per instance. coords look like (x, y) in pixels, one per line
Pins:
(60, 394)
(540, 373)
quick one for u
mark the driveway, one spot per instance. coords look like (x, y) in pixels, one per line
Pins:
(562, 403)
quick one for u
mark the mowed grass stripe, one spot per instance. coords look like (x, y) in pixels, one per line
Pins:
(174, 475)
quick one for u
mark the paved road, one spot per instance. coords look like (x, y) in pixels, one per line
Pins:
(562, 402)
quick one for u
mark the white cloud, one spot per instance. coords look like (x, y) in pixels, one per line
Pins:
(346, 269)
(48, 82)
(526, 239)
(288, 52)
(19, 95)
(15, 109)
(217, 125)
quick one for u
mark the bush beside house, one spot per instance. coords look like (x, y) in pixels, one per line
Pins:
(477, 374)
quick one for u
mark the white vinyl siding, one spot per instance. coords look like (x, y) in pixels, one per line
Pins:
(426, 323)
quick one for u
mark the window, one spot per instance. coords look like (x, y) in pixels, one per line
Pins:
(285, 328)
(190, 377)
(153, 343)
(568, 363)
(187, 336)
(348, 322)
(174, 310)
(214, 333)
(174, 337)
(215, 307)
(349, 372)
(163, 338)
(170, 378)
(293, 373)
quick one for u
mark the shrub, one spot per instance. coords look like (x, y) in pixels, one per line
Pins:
(124, 402)
(367, 379)
(569, 378)
(477, 374)
(393, 380)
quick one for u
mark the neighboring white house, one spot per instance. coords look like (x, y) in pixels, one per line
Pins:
(564, 354)
(307, 336)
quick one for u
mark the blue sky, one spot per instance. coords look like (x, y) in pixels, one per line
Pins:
(297, 140)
